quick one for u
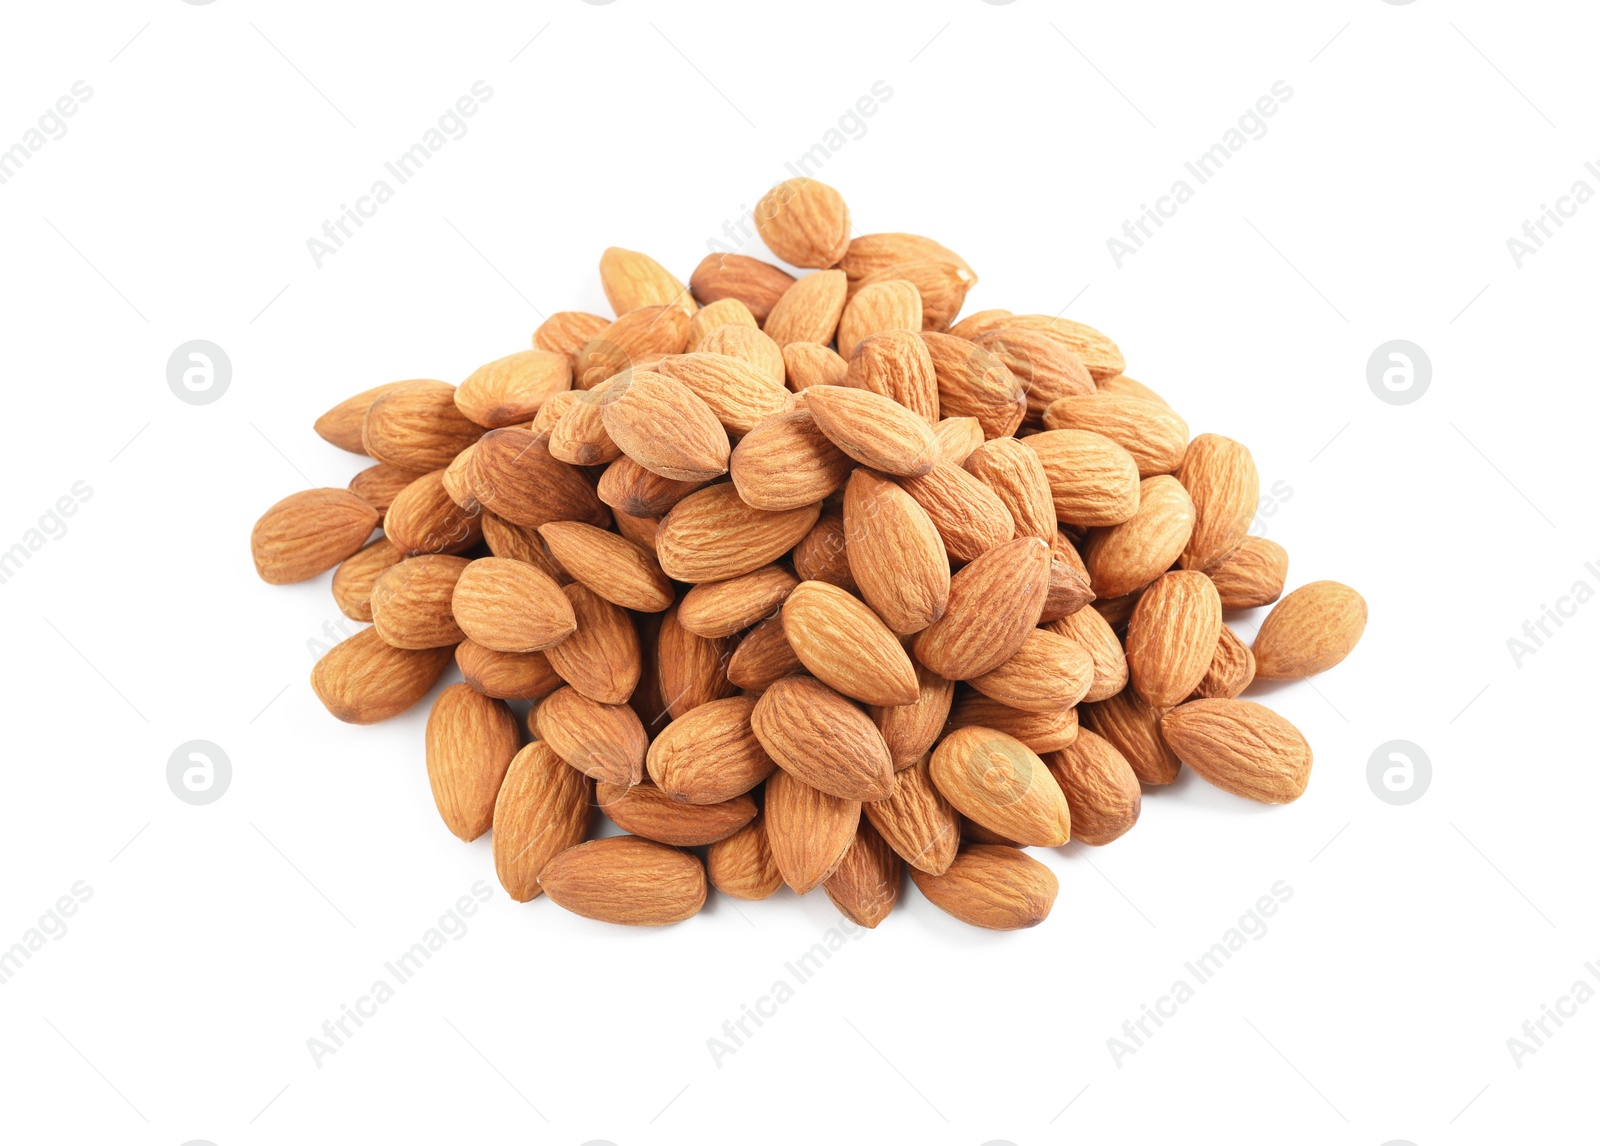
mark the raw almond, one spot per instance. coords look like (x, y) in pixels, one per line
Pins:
(757, 284)
(567, 332)
(667, 428)
(364, 679)
(895, 553)
(416, 426)
(411, 602)
(1241, 747)
(710, 753)
(1090, 630)
(1312, 629)
(916, 821)
(958, 437)
(969, 516)
(975, 383)
(612, 566)
(737, 393)
(807, 364)
(426, 519)
(786, 462)
(722, 608)
(763, 656)
(542, 810)
(1149, 430)
(579, 436)
(514, 477)
(632, 341)
(910, 731)
(1128, 556)
(1041, 731)
(823, 554)
(809, 831)
(749, 346)
(632, 279)
(994, 603)
(723, 312)
(1233, 667)
(378, 484)
(1252, 575)
(510, 390)
(1172, 635)
(871, 254)
(308, 533)
(1044, 366)
(1048, 673)
(804, 222)
(521, 544)
(844, 644)
(990, 886)
(1093, 480)
(629, 487)
(645, 810)
(625, 879)
(353, 580)
(1133, 728)
(979, 321)
(341, 426)
(896, 364)
(601, 657)
(820, 737)
(941, 287)
(471, 739)
(1100, 787)
(691, 670)
(874, 430)
(1002, 784)
(1017, 477)
(1220, 476)
(1097, 352)
(712, 535)
(507, 676)
(893, 304)
(808, 311)
(605, 741)
(742, 865)
(511, 607)
(866, 884)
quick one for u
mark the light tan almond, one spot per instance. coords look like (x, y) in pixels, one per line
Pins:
(991, 886)
(1133, 728)
(957, 438)
(1047, 369)
(866, 884)
(895, 553)
(723, 312)
(426, 519)
(809, 310)
(995, 603)
(630, 343)
(1097, 352)
(804, 222)
(554, 409)
(511, 607)
(970, 517)
(632, 279)
(974, 383)
(356, 574)
(786, 462)
(341, 426)
(378, 484)
(1310, 630)
(742, 866)
(1093, 480)
(1041, 731)
(844, 644)
(1128, 556)
(763, 656)
(870, 254)
(737, 393)
(410, 602)
(639, 530)
(542, 810)
(506, 676)
(1221, 477)
(308, 533)
(809, 831)
(911, 730)
(896, 364)
(1048, 673)
(471, 739)
(941, 287)
(1017, 477)
(691, 670)
(807, 364)
(364, 679)
(612, 566)
(817, 735)
(1172, 635)
(667, 428)
(1148, 429)
(605, 741)
(1000, 782)
(712, 535)
(1233, 667)
(722, 608)
(916, 821)
(874, 430)
(750, 346)
(514, 476)
(893, 304)
(510, 390)
(1089, 629)
(1252, 575)
(416, 426)
(625, 879)
(1100, 787)
(601, 659)
(1241, 747)
(757, 284)
(645, 810)
(568, 332)
(710, 753)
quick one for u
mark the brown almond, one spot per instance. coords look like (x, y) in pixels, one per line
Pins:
(601, 658)
(974, 383)
(823, 554)
(763, 656)
(1133, 728)
(567, 332)
(990, 886)
(1048, 673)
(1172, 635)
(969, 516)
(378, 484)
(667, 428)
(1252, 575)
(722, 608)
(806, 364)
(958, 437)
(1100, 787)
(632, 279)
(999, 782)
(724, 275)
(1097, 352)
(808, 311)
(1241, 747)
(1042, 363)
(629, 487)
(605, 741)
(979, 321)
(749, 346)
(506, 676)
(809, 831)
(1221, 478)
(1093, 481)
(844, 644)
(895, 553)
(874, 430)
(814, 733)
(1148, 429)
(308, 533)
(612, 566)
(710, 753)
(416, 426)
(742, 866)
(1232, 668)
(804, 222)
(411, 602)
(521, 544)
(893, 304)
(579, 436)
(871, 254)
(365, 679)
(691, 670)
(514, 476)
(941, 286)
(1017, 477)
(426, 519)
(634, 340)
(511, 607)
(1310, 630)
(542, 810)
(995, 603)
(1094, 634)
(1128, 556)
(786, 462)
(723, 312)
(712, 535)
(625, 879)
(910, 731)
(353, 580)
(471, 739)
(510, 390)
(645, 810)
(1041, 731)
(866, 884)
(896, 364)
(737, 393)
(341, 426)
(917, 821)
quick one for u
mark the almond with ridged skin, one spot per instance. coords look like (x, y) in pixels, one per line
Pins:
(1221, 477)
(763, 656)
(844, 644)
(1122, 384)
(471, 739)
(514, 476)
(1252, 575)
(426, 519)
(723, 275)
(308, 533)
(1017, 477)
(896, 364)
(645, 810)
(786, 462)
(804, 222)
(958, 438)
(970, 517)
(742, 866)
(542, 810)
(632, 279)
(378, 484)
(510, 390)
(601, 659)
(1133, 728)
(1122, 558)
(979, 321)
(625, 879)
(1048, 673)
(1148, 429)
(874, 430)
(893, 304)
(722, 608)
(1233, 667)
(506, 676)
(1097, 352)
(1044, 366)
(667, 428)
(1069, 580)
(627, 486)
(895, 553)
(1093, 480)
(710, 753)
(974, 383)
(737, 393)
(1002, 784)
(364, 679)
(691, 670)
(808, 311)
(411, 602)
(456, 480)
(870, 254)
(567, 332)
(1041, 731)
(1311, 629)
(807, 364)
(916, 821)
(866, 884)
(941, 287)
(511, 607)
(749, 346)
(1172, 635)
(1241, 747)
(341, 426)
(554, 410)
(579, 436)
(353, 580)
(817, 735)
(723, 312)
(995, 603)
(634, 339)
(1088, 628)
(990, 886)
(521, 544)
(606, 741)
(612, 566)
(712, 535)
(910, 731)
(822, 554)
(809, 831)
(417, 427)
(1100, 787)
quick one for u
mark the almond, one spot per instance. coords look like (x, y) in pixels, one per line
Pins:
(870, 254)
(979, 321)
(629, 487)
(742, 866)
(1312, 629)
(514, 476)
(511, 607)
(1172, 635)
(1097, 352)
(874, 430)
(639, 530)
(507, 676)
(723, 312)
(910, 731)
(958, 437)
(1148, 429)
(722, 608)
(579, 437)
(612, 566)
(601, 658)
(1232, 668)
(895, 553)
(994, 603)
(1242, 747)
(425, 519)
(820, 737)
(916, 821)
(341, 426)
(625, 879)
(1069, 590)
(804, 222)
(378, 484)
(456, 480)
(632, 280)
(807, 364)
(521, 544)
(1045, 367)
(1220, 476)
(809, 831)
(712, 535)
(763, 656)
(786, 462)
(1133, 728)
(941, 287)
(1252, 575)
(542, 810)
(808, 311)
(691, 670)
(1048, 673)
(823, 554)
(1091, 631)
(510, 390)
(866, 884)
(411, 602)
(749, 346)
(631, 342)
(1128, 556)
(647, 811)
(1093, 480)
(896, 364)
(737, 393)
(1100, 787)
(416, 426)
(710, 753)
(364, 679)
(999, 782)
(990, 886)
(893, 304)
(605, 741)
(757, 284)
(567, 332)
(353, 580)
(471, 739)
(970, 517)
(667, 428)
(1040, 731)
(308, 533)
(1017, 477)
(974, 383)
(844, 645)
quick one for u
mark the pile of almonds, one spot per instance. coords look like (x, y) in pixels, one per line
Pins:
(804, 579)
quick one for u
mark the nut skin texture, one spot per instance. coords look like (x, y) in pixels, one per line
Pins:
(1310, 630)
(741, 865)
(1133, 728)
(1253, 575)
(1002, 784)
(308, 533)
(364, 679)
(1125, 557)
(804, 222)
(757, 284)
(710, 753)
(895, 553)
(625, 879)
(994, 603)
(1172, 637)
(1241, 747)
(917, 821)
(543, 809)
(866, 884)
(471, 739)
(1100, 787)
(645, 810)
(844, 644)
(809, 831)
(820, 737)
(992, 886)
(1221, 478)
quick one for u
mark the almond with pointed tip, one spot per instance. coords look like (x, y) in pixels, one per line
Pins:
(910, 731)
(916, 821)
(874, 430)
(710, 753)
(566, 332)
(471, 739)
(895, 553)
(974, 383)
(612, 566)
(722, 608)
(1041, 731)
(1172, 635)
(712, 535)
(1252, 575)
(1221, 478)
(896, 364)
(1017, 477)
(354, 578)
(626, 879)
(426, 519)
(1128, 556)
(844, 644)
(411, 602)
(691, 670)
(341, 426)
(601, 658)
(806, 364)
(1093, 632)
(511, 607)
(808, 830)
(809, 310)
(1048, 673)
(632, 279)
(786, 462)
(823, 554)
(737, 393)
(308, 533)
(1100, 787)
(804, 222)
(416, 426)
(514, 476)
(510, 390)
(893, 304)
(645, 810)
(749, 346)
(1047, 369)
(724, 275)
(1133, 728)
(378, 484)
(723, 312)
(958, 438)
(630, 342)
(605, 741)
(543, 809)
(506, 676)
(1002, 784)
(629, 487)
(1241, 747)
(1310, 630)
(1098, 353)
(970, 517)
(866, 884)
(1147, 428)
(364, 679)
(742, 866)
(995, 603)
(579, 436)
(817, 735)
(763, 657)
(992, 886)
(1232, 668)
(1093, 481)
(667, 428)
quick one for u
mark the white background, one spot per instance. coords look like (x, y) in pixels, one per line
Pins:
(218, 939)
